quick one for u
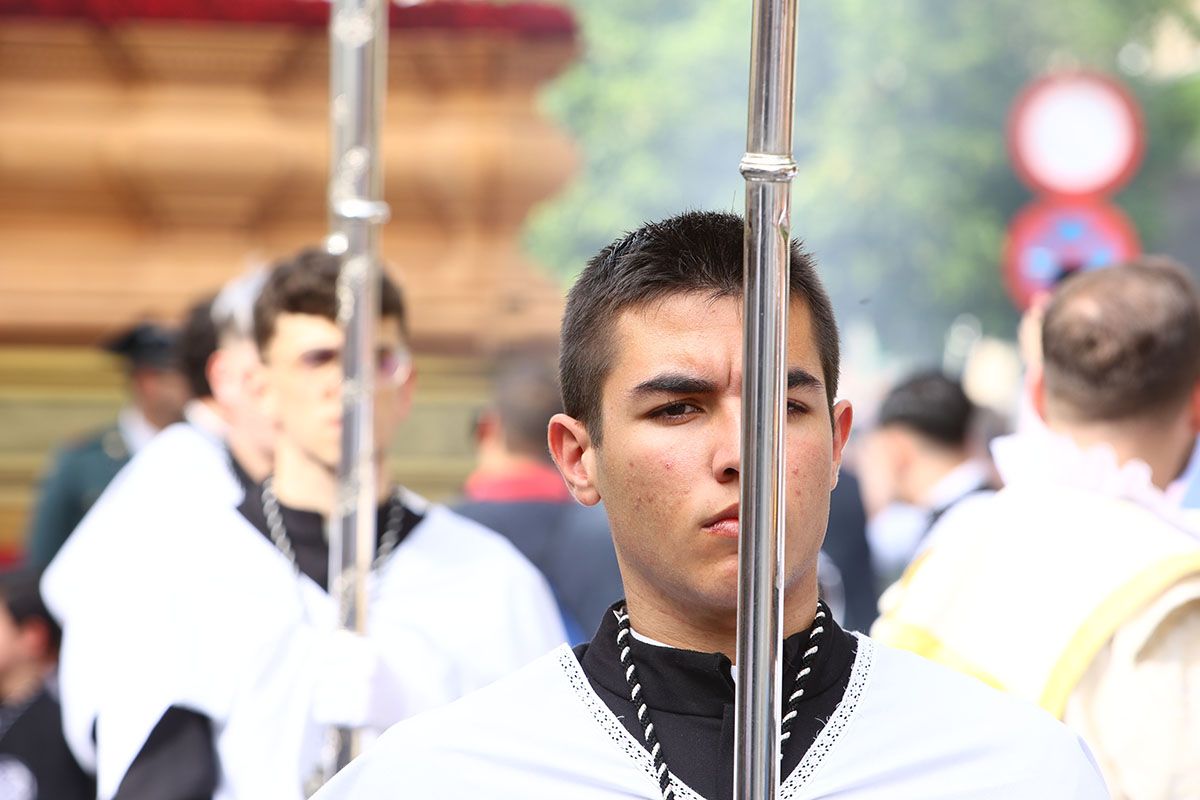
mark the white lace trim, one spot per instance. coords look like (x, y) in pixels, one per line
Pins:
(830, 735)
(613, 727)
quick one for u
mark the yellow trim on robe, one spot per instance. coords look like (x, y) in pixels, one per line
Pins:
(914, 566)
(1100, 626)
(924, 643)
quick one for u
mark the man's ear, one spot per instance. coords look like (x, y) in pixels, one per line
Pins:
(262, 385)
(843, 420)
(575, 456)
(34, 639)
(404, 392)
(1037, 390)
(1194, 409)
(487, 426)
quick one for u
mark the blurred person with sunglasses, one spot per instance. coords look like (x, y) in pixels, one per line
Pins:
(245, 670)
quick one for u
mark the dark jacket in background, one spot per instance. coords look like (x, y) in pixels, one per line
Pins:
(35, 762)
(846, 545)
(79, 474)
(572, 547)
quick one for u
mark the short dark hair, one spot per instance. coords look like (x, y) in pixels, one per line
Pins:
(697, 251)
(525, 395)
(306, 283)
(1123, 342)
(196, 343)
(20, 593)
(932, 405)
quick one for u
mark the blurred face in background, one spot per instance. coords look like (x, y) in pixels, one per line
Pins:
(303, 385)
(883, 462)
(235, 375)
(160, 394)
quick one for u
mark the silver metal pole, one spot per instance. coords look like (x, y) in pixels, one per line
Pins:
(358, 35)
(768, 169)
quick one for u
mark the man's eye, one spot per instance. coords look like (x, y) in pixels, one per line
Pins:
(315, 359)
(676, 411)
(796, 407)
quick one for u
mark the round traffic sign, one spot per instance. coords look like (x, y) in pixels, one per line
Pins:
(1048, 240)
(1075, 134)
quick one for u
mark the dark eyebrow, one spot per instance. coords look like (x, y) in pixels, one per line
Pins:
(681, 383)
(803, 379)
(673, 383)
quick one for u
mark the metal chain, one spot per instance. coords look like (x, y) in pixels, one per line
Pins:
(279, 535)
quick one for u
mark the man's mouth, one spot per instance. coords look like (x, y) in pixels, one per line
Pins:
(724, 523)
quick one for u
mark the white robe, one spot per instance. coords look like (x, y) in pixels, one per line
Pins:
(906, 729)
(169, 597)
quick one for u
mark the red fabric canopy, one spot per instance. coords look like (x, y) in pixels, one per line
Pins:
(526, 19)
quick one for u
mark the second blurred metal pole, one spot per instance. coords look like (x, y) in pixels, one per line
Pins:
(358, 36)
(768, 169)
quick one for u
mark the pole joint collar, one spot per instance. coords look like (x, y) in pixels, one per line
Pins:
(767, 167)
(357, 209)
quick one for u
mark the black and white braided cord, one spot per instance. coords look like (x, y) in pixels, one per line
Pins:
(643, 714)
(806, 668)
(661, 770)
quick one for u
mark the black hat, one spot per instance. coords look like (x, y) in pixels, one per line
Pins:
(145, 345)
(931, 404)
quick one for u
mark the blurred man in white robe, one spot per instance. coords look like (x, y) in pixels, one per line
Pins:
(202, 637)
(1077, 586)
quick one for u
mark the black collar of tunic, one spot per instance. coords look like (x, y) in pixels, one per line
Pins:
(691, 694)
(306, 529)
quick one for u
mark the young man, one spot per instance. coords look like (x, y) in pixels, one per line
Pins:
(35, 762)
(651, 370)
(216, 664)
(1077, 586)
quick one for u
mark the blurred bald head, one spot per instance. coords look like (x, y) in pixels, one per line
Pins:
(1122, 344)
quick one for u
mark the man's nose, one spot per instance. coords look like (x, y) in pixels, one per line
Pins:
(727, 450)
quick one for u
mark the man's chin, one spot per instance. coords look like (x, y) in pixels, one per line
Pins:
(718, 596)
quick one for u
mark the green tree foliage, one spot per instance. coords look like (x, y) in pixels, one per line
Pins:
(904, 189)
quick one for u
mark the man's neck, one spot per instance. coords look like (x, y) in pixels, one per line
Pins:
(1166, 451)
(256, 463)
(928, 474)
(307, 484)
(713, 631)
(23, 682)
(493, 458)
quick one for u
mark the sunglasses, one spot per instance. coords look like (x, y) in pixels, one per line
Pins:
(391, 363)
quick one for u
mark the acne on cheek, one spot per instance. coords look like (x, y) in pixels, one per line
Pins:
(799, 475)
